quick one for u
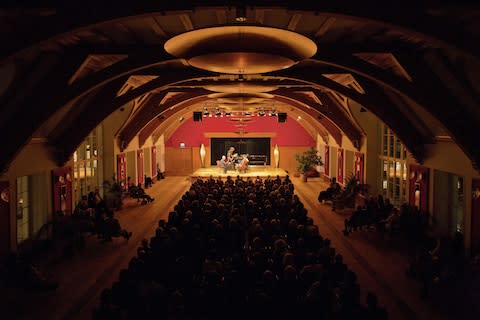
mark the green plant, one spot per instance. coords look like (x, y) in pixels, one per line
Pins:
(351, 184)
(113, 193)
(308, 160)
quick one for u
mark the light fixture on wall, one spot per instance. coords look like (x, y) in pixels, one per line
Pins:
(203, 152)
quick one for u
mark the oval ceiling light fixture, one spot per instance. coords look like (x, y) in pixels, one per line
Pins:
(240, 98)
(241, 87)
(237, 95)
(240, 101)
(241, 49)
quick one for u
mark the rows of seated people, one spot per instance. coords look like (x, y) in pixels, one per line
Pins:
(237, 249)
(93, 215)
(433, 258)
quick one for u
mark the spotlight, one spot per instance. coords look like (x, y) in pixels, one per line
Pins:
(273, 113)
(261, 112)
(217, 112)
(205, 112)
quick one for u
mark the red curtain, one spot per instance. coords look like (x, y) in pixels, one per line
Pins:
(140, 172)
(62, 190)
(340, 166)
(122, 170)
(4, 218)
(359, 166)
(418, 187)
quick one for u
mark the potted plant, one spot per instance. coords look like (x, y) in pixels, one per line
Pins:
(113, 194)
(307, 161)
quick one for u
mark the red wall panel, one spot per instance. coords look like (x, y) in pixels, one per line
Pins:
(418, 187)
(62, 190)
(290, 133)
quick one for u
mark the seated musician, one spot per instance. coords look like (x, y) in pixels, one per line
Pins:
(230, 154)
(243, 165)
(223, 163)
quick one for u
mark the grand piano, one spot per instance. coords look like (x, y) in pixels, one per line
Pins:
(257, 159)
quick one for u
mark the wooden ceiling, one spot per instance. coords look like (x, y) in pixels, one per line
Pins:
(85, 60)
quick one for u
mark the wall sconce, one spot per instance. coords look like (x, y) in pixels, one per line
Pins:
(276, 155)
(203, 152)
(476, 193)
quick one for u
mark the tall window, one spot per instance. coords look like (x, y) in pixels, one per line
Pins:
(393, 168)
(23, 215)
(87, 165)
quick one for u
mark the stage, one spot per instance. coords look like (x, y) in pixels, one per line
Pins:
(252, 171)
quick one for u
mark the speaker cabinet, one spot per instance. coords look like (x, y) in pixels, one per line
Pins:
(197, 116)
(282, 117)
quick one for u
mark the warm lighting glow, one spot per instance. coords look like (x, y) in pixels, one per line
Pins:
(276, 155)
(203, 152)
(242, 49)
(391, 172)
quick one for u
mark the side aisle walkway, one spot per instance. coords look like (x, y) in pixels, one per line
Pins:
(379, 263)
(88, 272)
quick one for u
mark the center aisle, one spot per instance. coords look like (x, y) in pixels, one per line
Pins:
(379, 269)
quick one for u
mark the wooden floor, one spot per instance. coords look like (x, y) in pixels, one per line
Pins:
(378, 263)
(252, 171)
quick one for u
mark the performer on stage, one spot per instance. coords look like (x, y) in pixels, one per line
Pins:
(223, 164)
(243, 165)
(230, 154)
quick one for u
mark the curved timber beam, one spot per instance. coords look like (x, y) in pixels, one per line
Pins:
(153, 109)
(329, 110)
(411, 20)
(103, 105)
(375, 101)
(146, 124)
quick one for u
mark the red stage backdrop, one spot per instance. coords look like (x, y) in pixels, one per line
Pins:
(290, 133)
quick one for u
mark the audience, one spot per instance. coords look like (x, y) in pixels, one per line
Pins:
(236, 249)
